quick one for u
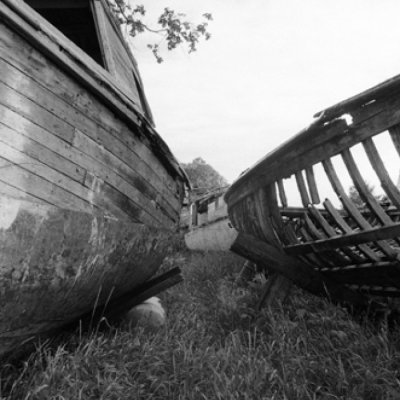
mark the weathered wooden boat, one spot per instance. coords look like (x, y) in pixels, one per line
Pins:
(90, 195)
(210, 228)
(332, 247)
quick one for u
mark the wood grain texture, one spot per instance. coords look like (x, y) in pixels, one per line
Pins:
(54, 115)
(108, 131)
(387, 184)
(86, 72)
(90, 195)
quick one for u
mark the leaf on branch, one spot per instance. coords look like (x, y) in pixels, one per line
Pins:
(175, 29)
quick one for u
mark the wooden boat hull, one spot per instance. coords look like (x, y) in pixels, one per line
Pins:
(57, 264)
(331, 246)
(90, 195)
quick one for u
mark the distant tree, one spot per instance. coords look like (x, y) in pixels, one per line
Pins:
(173, 27)
(203, 175)
(355, 197)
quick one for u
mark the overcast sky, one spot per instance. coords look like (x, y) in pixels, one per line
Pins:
(269, 66)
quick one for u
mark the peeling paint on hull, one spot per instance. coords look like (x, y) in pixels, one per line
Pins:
(54, 263)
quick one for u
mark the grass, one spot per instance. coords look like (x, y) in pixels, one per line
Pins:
(215, 346)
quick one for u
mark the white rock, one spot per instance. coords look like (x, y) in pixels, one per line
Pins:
(149, 315)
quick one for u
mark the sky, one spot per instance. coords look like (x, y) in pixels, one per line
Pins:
(269, 66)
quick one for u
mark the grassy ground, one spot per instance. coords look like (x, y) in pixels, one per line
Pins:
(216, 347)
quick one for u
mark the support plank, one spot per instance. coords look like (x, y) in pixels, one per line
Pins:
(312, 185)
(386, 273)
(387, 184)
(394, 132)
(342, 224)
(362, 188)
(371, 235)
(330, 232)
(282, 194)
(296, 271)
(351, 208)
(332, 255)
(301, 185)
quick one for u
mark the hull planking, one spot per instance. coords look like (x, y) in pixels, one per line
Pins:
(90, 195)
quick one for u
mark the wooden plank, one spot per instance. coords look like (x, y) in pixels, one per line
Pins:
(36, 151)
(100, 22)
(93, 158)
(337, 186)
(36, 158)
(312, 185)
(282, 194)
(270, 199)
(124, 179)
(311, 259)
(353, 211)
(35, 113)
(301, 185)
(330, 232)
(296, 271)
(319, 259)
(362, 188)
(394, 132)
(371, 235)
(25, 86)
(15, 193)
(387, 184)
(122, 67)
(315, 144)
(34, 185)
(329, 256)
(275, 291)
(264, 218)
(92, 77)
(386, 273)
(120, 305)
(43, 118)
(36, 167)
(131, 151)
(148, 214)
(385, 89)
(342, 224)
(129, 60)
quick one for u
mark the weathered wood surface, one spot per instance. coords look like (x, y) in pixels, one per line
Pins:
(90, 195)
(354, 247)
(57, 264)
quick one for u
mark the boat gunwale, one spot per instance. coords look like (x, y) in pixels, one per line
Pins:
(332, 121)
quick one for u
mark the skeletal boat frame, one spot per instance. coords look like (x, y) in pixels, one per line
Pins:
(331, 247)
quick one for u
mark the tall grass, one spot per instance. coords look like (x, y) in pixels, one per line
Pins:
(215, 346)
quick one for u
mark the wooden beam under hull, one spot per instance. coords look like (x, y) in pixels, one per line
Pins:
(297, 271)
